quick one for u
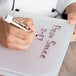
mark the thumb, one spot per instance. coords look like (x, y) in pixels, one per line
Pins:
(72, 18)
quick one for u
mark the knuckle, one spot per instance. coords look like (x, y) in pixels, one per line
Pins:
(8, 45)
(9, 39)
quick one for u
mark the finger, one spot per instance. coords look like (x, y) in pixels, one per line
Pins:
(15, 43)
(17, 47)
(73, 38)
(74, 31)
(72, 18)
(12, 39)
(20, 33)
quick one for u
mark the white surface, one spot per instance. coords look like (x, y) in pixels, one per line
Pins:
(29, 62)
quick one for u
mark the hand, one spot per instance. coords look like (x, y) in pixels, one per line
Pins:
(15, 38)
(72, 20)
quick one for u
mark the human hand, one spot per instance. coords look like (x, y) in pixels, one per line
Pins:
(72, 20)
(15, 38)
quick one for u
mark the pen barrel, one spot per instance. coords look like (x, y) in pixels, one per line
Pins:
(22, 26)
(10, 19)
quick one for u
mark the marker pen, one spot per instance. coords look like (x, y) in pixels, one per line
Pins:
(10, 19)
